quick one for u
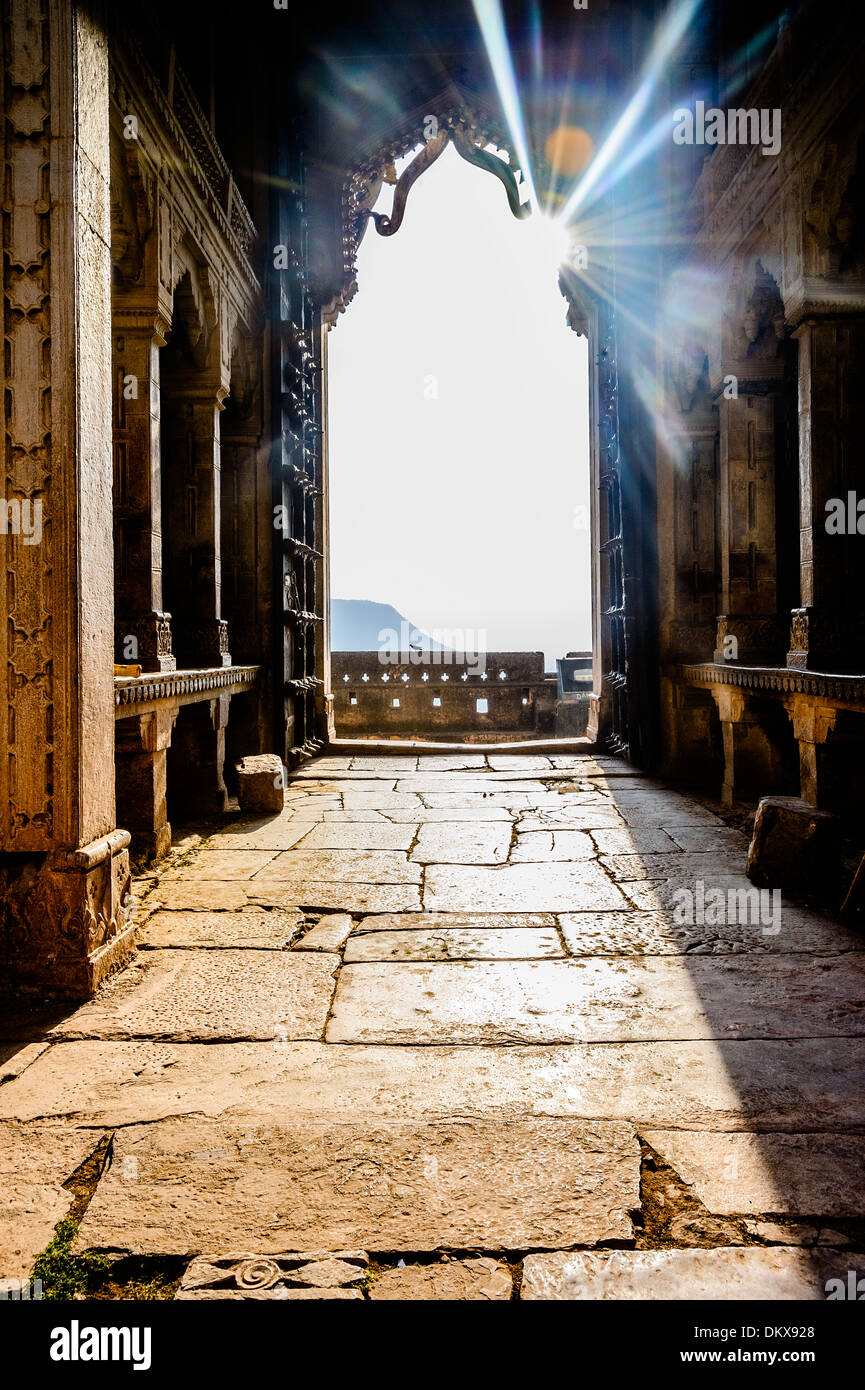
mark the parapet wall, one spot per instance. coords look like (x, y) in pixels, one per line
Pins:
(442, 695)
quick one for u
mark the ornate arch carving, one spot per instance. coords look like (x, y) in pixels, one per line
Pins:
(427, 131)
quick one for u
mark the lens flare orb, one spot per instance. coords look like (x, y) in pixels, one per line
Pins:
(569, 150)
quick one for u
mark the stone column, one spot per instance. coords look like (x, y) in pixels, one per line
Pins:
(65, 871)
(753, 760)
(197, 757)
(813, 726)
(191, 477)
(138, 607)
(140, 754)
(828, 629)
(749, 597)
(748, 379)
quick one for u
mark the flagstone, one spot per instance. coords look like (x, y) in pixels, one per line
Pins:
(719, 1275)
(473, 842)
(348, 865)
(520, 887)
(513, 943)
(786, 1174)
(195, 995)
(551, 846)
(453, 1184)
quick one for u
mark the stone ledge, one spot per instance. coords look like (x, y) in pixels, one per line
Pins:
(779, 680)
(132, 694)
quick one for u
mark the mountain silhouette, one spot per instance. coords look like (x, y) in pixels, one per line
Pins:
(357, 625)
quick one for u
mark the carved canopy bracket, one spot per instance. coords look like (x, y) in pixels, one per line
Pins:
(471, 132)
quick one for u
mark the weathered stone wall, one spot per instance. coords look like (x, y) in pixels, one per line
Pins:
(764, 334)
(65, 873)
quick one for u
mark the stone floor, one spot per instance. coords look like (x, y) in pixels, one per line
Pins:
(433, 1032)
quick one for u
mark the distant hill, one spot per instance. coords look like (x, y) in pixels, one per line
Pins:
(356, 625)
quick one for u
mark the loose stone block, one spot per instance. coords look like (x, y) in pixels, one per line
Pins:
(723, 1274)
(260, 783)
(462, 1280)
(330, 934)
(793, 845)
(458, 1185)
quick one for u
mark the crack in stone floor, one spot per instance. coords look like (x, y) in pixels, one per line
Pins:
(433, 1032)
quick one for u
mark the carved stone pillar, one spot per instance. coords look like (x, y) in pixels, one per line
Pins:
(813, 726)
(64, 868)
(191, 476)
(828, 629)
(753, 756)
(137, 499)
(140, 758)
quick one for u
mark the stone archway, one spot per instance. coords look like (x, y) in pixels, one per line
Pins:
(307, 298)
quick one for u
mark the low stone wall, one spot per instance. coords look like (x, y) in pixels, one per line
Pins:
(446, 695)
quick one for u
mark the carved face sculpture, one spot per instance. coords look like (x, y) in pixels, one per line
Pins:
(751, 323)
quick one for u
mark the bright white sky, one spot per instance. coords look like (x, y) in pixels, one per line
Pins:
(460, 510)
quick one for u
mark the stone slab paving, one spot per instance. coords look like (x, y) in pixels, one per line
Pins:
(473, 842)
(346, 897)
(35, 1161)
(658, 933)
(520, 888)
(723, 1274)
(595, 999)
(797, 1174)
(686, 867)
(194, 995)
(338, 866)
(450, 943)
(450, 1185)
(435, 1004)
(262, 930)
(366, 835)
(726, 1087)
(432, 815)
(550, 846)
(280, 832)
(463, 1280)
(480, 921)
